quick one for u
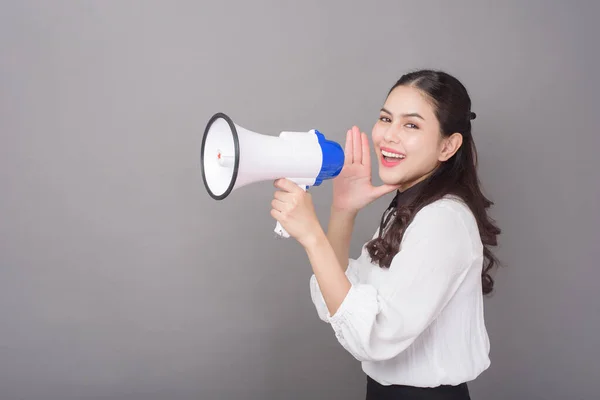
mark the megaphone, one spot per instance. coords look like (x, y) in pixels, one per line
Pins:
(232, 157)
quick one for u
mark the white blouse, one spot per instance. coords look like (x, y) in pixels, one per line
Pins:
(420, 322)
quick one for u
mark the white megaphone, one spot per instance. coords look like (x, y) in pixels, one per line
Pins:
(232, 157)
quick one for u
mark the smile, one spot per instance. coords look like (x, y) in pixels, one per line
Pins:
(391, 158)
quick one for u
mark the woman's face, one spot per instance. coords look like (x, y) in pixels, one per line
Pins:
(407, 138)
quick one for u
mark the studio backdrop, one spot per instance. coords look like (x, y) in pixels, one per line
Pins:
(122, 278)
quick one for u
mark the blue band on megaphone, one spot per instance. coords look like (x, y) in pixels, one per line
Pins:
(333, 159)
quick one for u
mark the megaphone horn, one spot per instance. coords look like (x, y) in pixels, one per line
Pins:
(232, 156)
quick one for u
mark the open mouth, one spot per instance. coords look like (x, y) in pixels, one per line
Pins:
(390, 158)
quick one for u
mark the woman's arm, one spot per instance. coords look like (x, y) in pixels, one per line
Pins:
(328, 270)
(339, 234)
(379, 322)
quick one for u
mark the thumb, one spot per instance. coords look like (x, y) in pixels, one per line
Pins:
(382, 190)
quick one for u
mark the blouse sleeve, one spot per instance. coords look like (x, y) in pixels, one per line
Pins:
(379, 323)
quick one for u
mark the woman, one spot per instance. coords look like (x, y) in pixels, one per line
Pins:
(410, 308)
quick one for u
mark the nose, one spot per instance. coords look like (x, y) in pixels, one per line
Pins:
(392, 135)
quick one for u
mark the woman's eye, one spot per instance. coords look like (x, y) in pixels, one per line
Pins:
(412, 126)
(384, 119)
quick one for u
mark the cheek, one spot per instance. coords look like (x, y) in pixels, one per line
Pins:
(377, 134)
(415, 144)
(422, 148)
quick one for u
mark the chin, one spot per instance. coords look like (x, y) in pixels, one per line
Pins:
(391, 177)
(402, 175)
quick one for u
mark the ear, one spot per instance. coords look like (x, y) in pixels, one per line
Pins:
(450, 146)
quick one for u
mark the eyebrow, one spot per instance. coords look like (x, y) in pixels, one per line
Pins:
(416, 115)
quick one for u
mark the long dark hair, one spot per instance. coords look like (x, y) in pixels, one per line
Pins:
(457, 176)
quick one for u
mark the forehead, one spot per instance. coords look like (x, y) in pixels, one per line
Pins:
(408, 99)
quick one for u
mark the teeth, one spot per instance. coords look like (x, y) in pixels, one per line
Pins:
(394, 155)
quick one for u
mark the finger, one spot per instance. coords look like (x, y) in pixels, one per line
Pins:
(279, 205)
(276, 214)
(287, 185)
(356, 146)
(384, 189)
(283, 196)
(348, 149)
(366, 154)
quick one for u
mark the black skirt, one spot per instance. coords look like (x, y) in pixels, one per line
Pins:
(376, 391)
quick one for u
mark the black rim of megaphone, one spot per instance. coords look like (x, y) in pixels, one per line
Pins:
(236, 163)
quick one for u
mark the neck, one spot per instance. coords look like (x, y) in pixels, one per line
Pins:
(407, 194)
(404, 187)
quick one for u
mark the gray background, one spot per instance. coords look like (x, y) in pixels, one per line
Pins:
(121, 279)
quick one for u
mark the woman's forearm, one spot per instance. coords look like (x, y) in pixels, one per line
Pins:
(329, 272)
(339, 234)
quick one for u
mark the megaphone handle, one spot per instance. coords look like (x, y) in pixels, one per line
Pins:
(278, 228)
(281, 231)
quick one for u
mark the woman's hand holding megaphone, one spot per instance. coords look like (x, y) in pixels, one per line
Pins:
(353, 188)
(293, 208)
